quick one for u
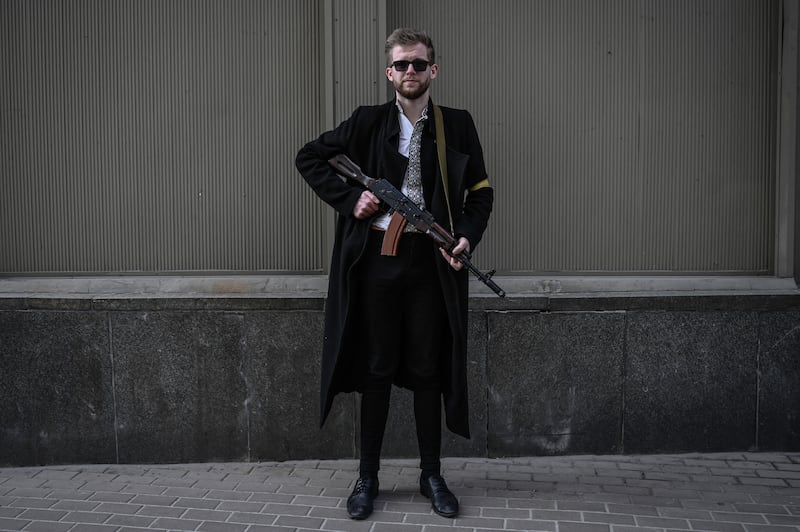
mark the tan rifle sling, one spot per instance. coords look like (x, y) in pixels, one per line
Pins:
(441, 149)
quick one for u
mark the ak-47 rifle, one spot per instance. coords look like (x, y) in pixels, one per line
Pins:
(421, 219)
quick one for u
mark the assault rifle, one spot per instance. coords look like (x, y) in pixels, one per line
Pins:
(421, 219)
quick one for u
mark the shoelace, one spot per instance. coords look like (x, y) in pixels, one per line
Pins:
(361, 486)
(437, 484)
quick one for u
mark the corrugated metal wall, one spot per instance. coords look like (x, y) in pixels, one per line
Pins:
(620, 135)
(357, 58)
(158, 136)
(708, 99)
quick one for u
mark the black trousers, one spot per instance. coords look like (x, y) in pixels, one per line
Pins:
(404, 323)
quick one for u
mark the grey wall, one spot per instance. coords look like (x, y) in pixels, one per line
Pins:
(159, 136)
(621, 135)
(179, 380)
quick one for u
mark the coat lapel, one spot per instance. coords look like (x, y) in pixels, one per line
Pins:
(393, 163)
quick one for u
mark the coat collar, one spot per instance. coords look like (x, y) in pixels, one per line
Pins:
(392, 125)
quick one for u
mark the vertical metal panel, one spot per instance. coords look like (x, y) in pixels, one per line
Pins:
(621, 135)
(787, 164)
(707, 139)
(356, 55)
(159, 136)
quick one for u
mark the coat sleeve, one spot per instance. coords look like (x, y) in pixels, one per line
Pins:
(312, 163)
(478, 194)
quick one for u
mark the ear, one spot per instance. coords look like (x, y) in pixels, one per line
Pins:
(389, 73)
(434, 70)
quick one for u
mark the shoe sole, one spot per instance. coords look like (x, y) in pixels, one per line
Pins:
(449, 516)
(437, 512)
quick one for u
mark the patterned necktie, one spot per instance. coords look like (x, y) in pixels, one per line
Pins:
(413, 178)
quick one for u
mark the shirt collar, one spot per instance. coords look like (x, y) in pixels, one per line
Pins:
(423, 116)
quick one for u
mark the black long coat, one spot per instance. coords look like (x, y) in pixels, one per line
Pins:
(370, 138)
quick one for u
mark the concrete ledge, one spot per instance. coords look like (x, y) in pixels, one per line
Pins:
(167, 286)
(134, 286)
(264, 292)
(315, 286)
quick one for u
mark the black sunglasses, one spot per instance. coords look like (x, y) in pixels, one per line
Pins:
(420, 65)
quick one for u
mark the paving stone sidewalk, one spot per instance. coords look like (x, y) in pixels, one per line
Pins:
(731, 492)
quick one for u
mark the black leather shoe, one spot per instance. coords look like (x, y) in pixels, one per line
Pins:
(442, 499)
(359, 503)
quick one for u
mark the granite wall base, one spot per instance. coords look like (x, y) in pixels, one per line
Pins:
(133, 381)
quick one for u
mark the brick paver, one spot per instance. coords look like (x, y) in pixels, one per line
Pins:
(721, 492)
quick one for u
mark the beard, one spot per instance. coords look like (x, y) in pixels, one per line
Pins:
(414, 91)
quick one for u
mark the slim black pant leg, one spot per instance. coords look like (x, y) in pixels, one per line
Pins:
(374, 412)
(428, 418)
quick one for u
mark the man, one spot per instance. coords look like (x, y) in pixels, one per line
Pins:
(400, 316)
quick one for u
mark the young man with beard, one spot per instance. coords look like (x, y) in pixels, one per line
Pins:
(399, 316)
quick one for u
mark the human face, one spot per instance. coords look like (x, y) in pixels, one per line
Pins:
(411, 84)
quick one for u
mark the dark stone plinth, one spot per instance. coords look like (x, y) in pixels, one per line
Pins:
(779, 389)
(555, 383)
(205, 379)
(283, 372)
(691, 381)
(477, 350)
(56, 398)
(180, 389)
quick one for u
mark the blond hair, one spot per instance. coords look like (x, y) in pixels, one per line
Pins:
(406, 37)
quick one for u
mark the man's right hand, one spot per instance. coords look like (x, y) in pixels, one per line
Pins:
(366, 206)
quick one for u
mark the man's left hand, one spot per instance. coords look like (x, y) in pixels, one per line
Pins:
(463, 245)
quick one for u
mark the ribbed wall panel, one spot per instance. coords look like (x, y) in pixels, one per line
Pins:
(154, 136)
(158, 136)
(357, 51)
(707, 139)
(620, 135)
